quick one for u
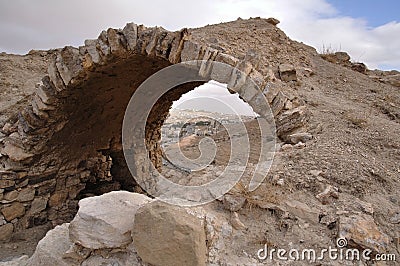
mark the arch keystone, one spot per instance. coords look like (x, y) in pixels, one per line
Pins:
(116, 41)
(177, 46)
(69, 64)
(130, 32)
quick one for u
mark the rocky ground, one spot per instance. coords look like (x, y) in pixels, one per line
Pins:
(17, 86)
(339, 180)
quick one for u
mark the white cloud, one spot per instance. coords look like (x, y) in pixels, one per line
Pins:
(43, 24)
(377, 47)
(214, 97)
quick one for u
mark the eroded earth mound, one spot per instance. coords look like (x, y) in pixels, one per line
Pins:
(335, 174)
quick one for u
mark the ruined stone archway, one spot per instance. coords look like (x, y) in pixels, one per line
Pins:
(68, 136)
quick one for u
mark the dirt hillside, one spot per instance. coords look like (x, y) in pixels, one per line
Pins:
(343, 179)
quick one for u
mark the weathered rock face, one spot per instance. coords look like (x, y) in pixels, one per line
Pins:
(13, 211)
(6, 231)
(287, 72)
(51, 249)
(21, 261)
(273, 21)
(233, 202)
(388, 77)
(167, 235)
(100, 234)
(106, 221)
(361, 231)
(343, 59)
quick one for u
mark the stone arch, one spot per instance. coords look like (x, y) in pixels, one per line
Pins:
(53, 155)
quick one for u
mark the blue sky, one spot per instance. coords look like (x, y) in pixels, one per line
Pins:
(376, 13)
(367, 30)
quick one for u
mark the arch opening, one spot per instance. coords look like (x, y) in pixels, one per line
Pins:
(197, 134)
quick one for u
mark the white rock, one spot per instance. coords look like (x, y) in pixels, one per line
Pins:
(167, 235)
(51, 248)
(236, 223)
(233, 202)
(20, 261)
(302, 210)
(330, 191)
(106, 221)
(395, 218)
(300, 137)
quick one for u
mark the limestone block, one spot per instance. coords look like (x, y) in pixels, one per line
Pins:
(130, 32)
(168, 235)
(26, 194)
(58, 198)
(11, 196)
(278, 103)
(102, 44)
(177, 46)
(6, 231)
(273, 21)
(156, 38)
(249, 91)
(145, 36)
(291, 120)
(222, 73)
(40, 105)
(51, 248)
(207, 63)
(287, 72)
(6, 183)
(106, 221)
(361, 231)
(54, 76)
(44, 94)
(299, 137)
(33, 120)
(68, 64)
(38, 204)
(302, 210)
(13, 211)
(91, 49)
(116, 41)
(191, 51)
(239, 76)
(15, 153)
(233, 202)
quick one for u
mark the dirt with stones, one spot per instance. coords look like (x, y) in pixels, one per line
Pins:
(349, 168)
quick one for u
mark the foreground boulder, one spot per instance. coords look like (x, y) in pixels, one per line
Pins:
(167, 235)
(123, 228)
(51, 248)
(106, 221)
